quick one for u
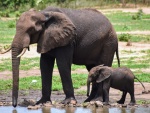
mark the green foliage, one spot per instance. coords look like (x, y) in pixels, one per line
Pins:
(124, 37)
(138, 15)
(12, 24)
(17, 14)
(26, 82)
(134, 38)
(4, 13)
(122, 21)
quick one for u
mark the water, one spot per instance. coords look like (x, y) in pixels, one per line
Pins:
(74, 110)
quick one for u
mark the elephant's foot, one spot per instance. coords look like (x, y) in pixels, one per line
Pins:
(132, 103)
(97, 99)
(106, 103)
(70, 100)
(120, 102)
(43, 100)
(88, 99)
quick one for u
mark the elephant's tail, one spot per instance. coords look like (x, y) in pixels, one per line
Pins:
(117, 55)
(141, 84)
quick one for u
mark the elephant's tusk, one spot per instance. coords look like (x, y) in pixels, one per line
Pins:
(3, 52)
(22, 53)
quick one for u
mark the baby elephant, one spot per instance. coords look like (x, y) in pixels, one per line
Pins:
(119, 78)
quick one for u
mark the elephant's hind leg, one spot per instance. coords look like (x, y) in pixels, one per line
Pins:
(131, 92)
(107, 54)
(122, 100)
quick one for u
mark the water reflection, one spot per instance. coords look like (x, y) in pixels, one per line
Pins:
(75, 110)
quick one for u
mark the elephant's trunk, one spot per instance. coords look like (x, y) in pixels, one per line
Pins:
(88, 86)
(15, 72)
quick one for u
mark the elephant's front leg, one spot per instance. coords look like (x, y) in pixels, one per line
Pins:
(46, 65)
(106, 87)
(93, 93)
(64, 61)
(99, 93)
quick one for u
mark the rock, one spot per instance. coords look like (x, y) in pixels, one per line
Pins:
(85, 104)
(114, 104)
(1, 104)
(129, 43)
(70, 105)
(54, 102)
(26, 102)
(92, 102)
(73, 102)
(34, 107)
(124, 105)
(48, 104)
(99, 104)
(79, 105)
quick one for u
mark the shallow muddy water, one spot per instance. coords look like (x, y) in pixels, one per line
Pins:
(7, 109)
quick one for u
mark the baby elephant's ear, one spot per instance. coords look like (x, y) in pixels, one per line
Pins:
(104, 73)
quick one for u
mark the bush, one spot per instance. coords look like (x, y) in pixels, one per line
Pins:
(125, 37)
(17, 14)
(4, 13)
(11, 24)
(138, 15)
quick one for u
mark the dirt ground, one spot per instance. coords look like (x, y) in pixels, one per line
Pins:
(5, 96)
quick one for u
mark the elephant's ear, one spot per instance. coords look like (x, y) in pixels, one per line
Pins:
(104, 73)
(59, 31)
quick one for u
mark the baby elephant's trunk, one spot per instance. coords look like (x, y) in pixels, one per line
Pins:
(88, 87)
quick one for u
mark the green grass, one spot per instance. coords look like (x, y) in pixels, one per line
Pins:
(25, 64)
(7, 31)
(134, 38)
(122, 21)
(26, 82)
(28, 64)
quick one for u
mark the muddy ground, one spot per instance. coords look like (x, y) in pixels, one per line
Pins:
(142, 99)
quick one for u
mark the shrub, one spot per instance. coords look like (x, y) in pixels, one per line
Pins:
(138, 15)
(17, 14)
(124, 37)
(11, 24)
(4, 13)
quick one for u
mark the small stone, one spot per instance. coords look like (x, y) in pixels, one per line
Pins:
(114, 105)
(1, 104)
(32, 107)
(79, 105)
(54, 102)
(85, 104)
(73, 102)
(129, 43)
(92, 102)
(48, 104)
(70, 105)
(124, 105)
(99, 104)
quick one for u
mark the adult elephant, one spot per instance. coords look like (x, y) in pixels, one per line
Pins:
(82, 37)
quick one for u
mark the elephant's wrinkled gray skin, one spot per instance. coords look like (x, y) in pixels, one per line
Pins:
(82, 37)
(119, 78)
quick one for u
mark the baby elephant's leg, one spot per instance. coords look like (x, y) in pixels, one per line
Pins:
(106, 87)
(93, 92)
(99, 93)
(131, 92)
(122, 100)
